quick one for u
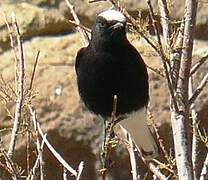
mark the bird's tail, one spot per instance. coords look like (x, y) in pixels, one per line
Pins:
(136, 125)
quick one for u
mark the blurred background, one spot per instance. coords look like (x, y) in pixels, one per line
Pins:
(75, 133)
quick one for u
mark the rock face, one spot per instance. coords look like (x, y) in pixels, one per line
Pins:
(74, 133)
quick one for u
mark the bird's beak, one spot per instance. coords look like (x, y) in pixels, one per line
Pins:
(118, 25)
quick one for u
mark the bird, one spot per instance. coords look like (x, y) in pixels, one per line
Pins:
(110, 65)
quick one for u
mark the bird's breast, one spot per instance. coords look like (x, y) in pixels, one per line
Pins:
(103, 76)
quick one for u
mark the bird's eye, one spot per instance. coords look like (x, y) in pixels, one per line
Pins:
(102, 24)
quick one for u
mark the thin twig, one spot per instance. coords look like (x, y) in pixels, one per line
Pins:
(150, 164)
(195, 122)
(34, 69)
(204, 172)
(84, 36)
(16, 175)
(19, 101)
(33, 170)
(74, 23)
(198, 90)
(164, 59)
(160, 140)
(80, 169)
(198, 64)
(12, 44)
(164, 13)
(157, 71)
(64, 174)
(54, 152)
(39, 150)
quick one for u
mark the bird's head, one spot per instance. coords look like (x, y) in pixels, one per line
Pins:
(110, 26)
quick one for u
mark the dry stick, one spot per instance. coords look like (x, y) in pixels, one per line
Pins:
(164, 59)
(161, 144)
(195, 122)
(19, 101)
(33, 170)
(34, 69)
(64, 174)
(40, 153)
(12, 46)
(175, 59)
(164, 13)
(10, 163)
(198, 64)
(157, 71)
(130, 146)
(74, 23)
(84, 35)
(54, 152)
(204, 172)
(80, 169)
(28, 151)
(151, 166)
(180, 121)
(198, 90)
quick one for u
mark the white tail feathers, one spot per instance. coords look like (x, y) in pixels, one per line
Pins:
(136, 125)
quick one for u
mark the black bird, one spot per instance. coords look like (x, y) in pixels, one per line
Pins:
(110, 66)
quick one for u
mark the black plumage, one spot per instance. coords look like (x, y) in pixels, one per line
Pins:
(110, 66)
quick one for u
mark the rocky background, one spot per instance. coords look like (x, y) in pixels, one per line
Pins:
(72, 131)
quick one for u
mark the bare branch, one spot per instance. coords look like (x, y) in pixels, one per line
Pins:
(84, 36)
(164, 13)
(34, 68)
(198, 90)
(54, 152)
(157, 71)
(39, 149)
(204, 172)
(33, 170)
(198, 64)
(80, 169)
(180, 120)
(10, 163)
(74, 23)
(126, 138)
(19, 101)
(108, 140)
(164, 59)
(195, 122)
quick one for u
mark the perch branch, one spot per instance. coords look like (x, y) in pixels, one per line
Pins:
(108, 139)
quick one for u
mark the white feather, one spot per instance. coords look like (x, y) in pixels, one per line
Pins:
(113, 15)
(136, 125)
